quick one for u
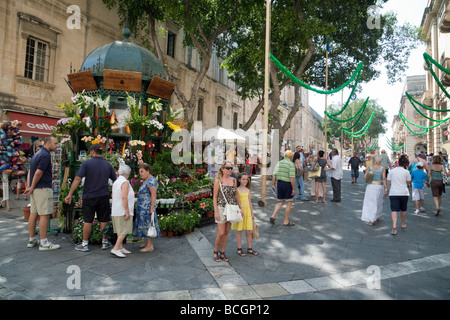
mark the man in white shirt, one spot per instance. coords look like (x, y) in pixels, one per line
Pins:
(336, 175)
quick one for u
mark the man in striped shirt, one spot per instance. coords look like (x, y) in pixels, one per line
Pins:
(284, 180)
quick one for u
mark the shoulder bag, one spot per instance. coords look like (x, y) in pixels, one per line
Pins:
(232, 211)
(369, 175)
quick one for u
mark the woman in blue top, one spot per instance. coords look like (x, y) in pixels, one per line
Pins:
(375, 192)
(146, 205)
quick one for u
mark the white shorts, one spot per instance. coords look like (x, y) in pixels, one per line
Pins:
(417, 194)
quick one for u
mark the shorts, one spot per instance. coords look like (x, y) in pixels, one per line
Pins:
(417, 194)
(222, 217)
(399, 203)
(42, 201)
(437, 188)
(355, 172)
(122, 226)
(284, 191)
(99, 205)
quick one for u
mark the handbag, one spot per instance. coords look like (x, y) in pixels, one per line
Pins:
(315, 174)
(232, 211)
(151, 232)
(315, 166)
(369, 176)
(255, 231)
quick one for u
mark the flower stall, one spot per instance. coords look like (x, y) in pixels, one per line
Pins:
(124, 105)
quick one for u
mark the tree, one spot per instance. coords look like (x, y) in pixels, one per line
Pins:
(299, 33)
(376, 129)
(203, 22)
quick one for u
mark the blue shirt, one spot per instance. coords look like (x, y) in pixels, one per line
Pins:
(42, 160)
(418, 177)
(97, 172)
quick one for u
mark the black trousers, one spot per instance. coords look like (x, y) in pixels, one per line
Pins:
(336, 185)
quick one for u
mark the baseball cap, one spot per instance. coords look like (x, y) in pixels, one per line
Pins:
(419, 164)
(97, 147)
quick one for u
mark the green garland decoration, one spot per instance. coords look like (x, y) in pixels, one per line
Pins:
(414, 102)
(402, 117)
(416, 125)
(363, 130)
(356, 75)
(363, 108)
(374, 145)
(392, 146)
(429, 60)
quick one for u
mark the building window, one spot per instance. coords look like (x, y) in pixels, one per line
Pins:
(235, 120)
(219, 116)
(171, 44)
(200, 110)
(36, 60)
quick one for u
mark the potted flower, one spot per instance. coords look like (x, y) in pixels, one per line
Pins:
(205, 206)
(162, 222)
(77, 231)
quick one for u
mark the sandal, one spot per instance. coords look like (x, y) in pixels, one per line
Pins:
(240, 252)
(251, 251)
(289, 224)
(223, 257)
(216, 256)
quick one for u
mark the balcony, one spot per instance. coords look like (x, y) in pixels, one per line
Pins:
(444, 21)
(427, 98)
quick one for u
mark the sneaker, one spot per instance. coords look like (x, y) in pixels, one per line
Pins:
(48, 246)
(118, 253)
(82, 248)
(422, 209)
(416, 211)
(106, 245)
(125, 251)
(32, 243)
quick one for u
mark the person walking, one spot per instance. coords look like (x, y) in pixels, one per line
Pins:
(243, 189)
(322, 180)
(39, 188)
(418, 180)
(146, 208)
(96, 173)
(122, 210)
(399, 178)
(299, 183)
(375, 192)
(386, 162)
(224, 191)
(336, 175)
(436, 182)
(283, 180)
(355, 163)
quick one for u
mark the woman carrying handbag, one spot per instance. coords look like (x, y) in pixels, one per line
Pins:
(224, 192)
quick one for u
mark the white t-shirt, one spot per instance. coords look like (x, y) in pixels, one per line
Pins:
(336, 162)
(117, 208)
(399, 177)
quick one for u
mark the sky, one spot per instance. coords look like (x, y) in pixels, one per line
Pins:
(388, 96)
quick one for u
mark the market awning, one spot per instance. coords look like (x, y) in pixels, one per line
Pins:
(34, 125)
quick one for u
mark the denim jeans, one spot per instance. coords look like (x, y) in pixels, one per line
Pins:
(299, 183)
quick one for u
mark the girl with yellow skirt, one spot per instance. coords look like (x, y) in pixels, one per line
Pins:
(248, 218)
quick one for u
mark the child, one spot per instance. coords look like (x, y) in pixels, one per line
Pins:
(247, 223)
(418, 178)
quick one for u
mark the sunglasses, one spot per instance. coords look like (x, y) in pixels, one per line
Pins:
(228, 168)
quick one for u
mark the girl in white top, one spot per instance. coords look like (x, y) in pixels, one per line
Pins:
(122, 210)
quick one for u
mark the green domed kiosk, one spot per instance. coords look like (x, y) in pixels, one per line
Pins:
(118, 70)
